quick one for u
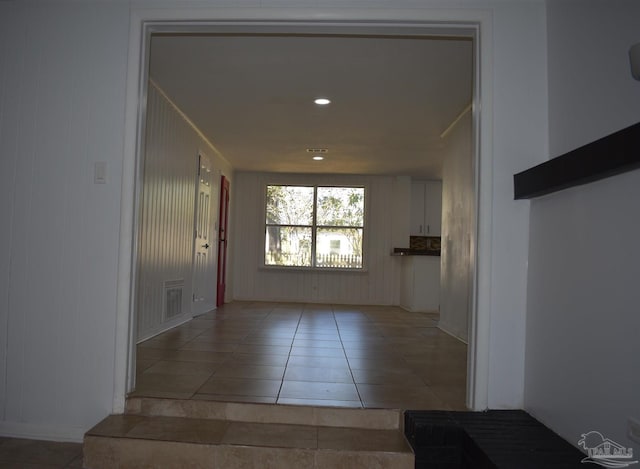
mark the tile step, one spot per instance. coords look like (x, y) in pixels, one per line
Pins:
(374, 419)
(134, 441)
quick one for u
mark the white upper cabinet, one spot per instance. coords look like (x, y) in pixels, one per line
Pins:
(426, 208)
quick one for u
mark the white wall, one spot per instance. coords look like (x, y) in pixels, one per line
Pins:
(378, 285)
(458, 203)
(167, 212)
(584, 263)
(62, 85)
(519, 141)
(62, 91)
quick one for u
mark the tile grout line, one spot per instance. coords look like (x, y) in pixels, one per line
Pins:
(289, 355)
(353, 379)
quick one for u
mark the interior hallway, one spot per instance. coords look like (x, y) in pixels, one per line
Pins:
(307, 354)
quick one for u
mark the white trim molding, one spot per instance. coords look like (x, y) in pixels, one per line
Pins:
(467, 22)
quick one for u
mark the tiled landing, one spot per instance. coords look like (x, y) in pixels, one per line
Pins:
(307, 354)
(183, 433)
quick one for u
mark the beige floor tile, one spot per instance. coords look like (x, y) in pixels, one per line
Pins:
(258, 359)
(263, 349)
(328, 375)
(209, 345)
(297, 342)
(378, 353)
(142, 364)
(235, 370)
(402, 377)
(18, 452)
(235, 398)
(251, 457)
(204, 431)
(143, 353)
(356, 327)
(329, 362)
(453, 396)
(116, 425)
(241, 387)
(324, 324)
(397, 396)
(357, 439)
(167, 385)
(268, 341)
(281, 333)
(317, 352)
(318, 335)
(274, 435)
(198, 356)
(318, 390)
(389, 363)
(382, 419)
(200, 323)
(189, 408)
(447, 377)
(182, 368)
(110, 453)
(320, 402)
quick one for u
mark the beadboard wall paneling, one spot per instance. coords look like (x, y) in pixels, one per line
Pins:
(62, 96)
(457, 228)
(378, 285)
(168, 209)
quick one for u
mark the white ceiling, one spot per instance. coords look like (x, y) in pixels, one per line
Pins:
(252, 96)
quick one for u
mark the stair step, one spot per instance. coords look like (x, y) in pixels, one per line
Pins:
(134, 441)
(375, 419)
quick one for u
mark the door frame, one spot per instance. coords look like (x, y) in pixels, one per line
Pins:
(223, 241)
(144, 21)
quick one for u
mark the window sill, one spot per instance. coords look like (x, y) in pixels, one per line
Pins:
(333, 270)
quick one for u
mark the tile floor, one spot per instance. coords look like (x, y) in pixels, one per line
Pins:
(32, 454)
(138, 441)
(307, 354)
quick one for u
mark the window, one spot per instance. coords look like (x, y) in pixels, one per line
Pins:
(314, 226)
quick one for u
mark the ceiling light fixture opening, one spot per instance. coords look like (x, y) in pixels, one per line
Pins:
(318, 158)
(322, 101)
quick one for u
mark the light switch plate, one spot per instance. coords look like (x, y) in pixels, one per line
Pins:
(100, 172)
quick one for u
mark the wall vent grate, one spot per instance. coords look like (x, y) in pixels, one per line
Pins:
(173, 298)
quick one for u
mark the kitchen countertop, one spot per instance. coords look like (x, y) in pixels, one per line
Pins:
(415, 252)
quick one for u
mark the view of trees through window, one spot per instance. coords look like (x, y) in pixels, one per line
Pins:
(314, 226)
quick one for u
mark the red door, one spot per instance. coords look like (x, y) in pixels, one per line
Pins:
(222, 240)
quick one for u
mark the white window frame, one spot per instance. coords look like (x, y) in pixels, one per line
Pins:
(314, 226)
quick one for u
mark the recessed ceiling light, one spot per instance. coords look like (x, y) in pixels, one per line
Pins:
(318, 158)
(322, 101)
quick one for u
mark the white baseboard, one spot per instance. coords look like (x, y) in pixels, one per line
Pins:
(42, 432)
(165, 326)
(453, 332)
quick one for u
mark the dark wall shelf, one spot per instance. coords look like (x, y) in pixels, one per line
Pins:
(614, 154)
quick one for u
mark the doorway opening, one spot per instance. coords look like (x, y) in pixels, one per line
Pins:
(378, 29)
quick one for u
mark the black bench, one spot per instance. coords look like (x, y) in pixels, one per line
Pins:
(497, 439)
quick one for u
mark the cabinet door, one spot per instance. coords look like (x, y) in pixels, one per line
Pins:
(433, 208)
(417, 209)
